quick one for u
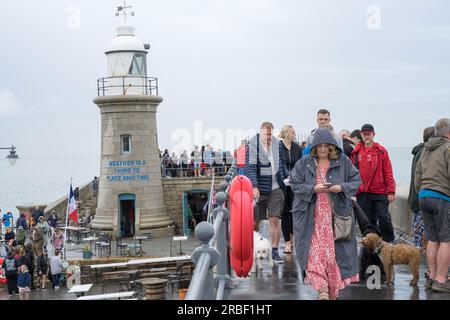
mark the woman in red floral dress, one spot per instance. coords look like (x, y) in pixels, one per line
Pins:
(324, 178)
(322, 270)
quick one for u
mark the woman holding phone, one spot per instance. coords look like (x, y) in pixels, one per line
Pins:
(323, 183)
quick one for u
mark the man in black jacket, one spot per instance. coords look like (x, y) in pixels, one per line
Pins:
(36, 214)
(413, 198)
(22, 222)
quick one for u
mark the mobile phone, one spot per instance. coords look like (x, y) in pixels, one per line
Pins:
(327, 184)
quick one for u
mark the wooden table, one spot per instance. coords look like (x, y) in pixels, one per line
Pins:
(180, 239)
(80, 290)
(90, 239)
(155, 288)
(139, 238)
(72, 229)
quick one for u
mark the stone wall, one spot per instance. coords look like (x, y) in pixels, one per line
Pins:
(401, 216)
(173, 194)
(60, 205)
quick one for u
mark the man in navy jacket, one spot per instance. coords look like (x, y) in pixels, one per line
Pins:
(266, 168)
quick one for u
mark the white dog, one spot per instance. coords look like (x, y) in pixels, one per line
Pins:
(262, 250)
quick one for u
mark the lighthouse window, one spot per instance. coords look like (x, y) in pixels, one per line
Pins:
(126, 143)
(137, 66)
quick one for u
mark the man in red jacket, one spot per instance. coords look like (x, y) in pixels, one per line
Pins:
(378, 185)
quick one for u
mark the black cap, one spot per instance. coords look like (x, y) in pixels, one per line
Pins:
(367, 127)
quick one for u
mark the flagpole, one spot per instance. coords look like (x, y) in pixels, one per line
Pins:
(67, 218)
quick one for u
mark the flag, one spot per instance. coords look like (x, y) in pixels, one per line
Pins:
(72, 206)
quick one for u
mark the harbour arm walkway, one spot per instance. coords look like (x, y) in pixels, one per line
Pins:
(282, 282)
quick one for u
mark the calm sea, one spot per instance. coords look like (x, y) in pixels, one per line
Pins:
(42, 181)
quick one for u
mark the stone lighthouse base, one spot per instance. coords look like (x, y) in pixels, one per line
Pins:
(158, 225)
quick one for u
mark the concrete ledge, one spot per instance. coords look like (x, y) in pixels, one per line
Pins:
(402, 217)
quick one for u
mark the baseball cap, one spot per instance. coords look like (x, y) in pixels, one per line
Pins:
(367, 128)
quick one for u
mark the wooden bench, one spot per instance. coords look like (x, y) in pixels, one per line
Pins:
(161, 262)
(106, 266)
(139, 264)
(153, 273)
(123, 277)
(106, 296)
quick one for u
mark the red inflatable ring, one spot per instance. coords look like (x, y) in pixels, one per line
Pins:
(241, 222)
(2, 275)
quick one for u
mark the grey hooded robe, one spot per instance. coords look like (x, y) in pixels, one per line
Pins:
(303, 181)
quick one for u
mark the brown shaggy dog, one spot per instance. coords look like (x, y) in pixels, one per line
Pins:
(395, 254)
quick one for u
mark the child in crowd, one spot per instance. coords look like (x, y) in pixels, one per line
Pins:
(56, 269)
(24, 280)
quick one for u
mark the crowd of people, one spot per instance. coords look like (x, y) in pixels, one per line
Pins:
(204, 161)
(28, 250)
(313, 188)
(303, 190)
(34, 243)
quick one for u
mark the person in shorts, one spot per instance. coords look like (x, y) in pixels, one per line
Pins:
(265, 166)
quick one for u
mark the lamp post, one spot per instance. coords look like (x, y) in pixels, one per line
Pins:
(12, 156)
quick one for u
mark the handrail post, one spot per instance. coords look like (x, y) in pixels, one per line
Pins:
(223, 272)
(205, 258)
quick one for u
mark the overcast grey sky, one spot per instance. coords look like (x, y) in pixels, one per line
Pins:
(229, 64)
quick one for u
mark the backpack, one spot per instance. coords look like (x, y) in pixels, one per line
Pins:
(39, 234)
(10, 265)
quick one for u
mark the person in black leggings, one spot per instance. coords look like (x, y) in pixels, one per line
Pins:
(292, 153)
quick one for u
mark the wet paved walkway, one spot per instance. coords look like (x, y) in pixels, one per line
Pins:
(283, 282)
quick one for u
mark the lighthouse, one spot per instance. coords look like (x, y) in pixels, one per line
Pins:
(130, 195)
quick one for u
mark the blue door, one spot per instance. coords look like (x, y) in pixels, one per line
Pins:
(127, 214)
(193, 200)
(186, 230)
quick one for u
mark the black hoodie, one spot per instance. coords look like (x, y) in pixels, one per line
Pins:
(413, 198)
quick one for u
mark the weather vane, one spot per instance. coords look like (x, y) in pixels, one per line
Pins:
(124, 11)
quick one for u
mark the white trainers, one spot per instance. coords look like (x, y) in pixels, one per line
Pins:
(57, 287)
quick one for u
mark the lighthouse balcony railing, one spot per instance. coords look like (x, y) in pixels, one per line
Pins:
(213, 253)
(127, 85)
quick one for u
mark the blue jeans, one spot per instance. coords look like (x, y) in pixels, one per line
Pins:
(56, 279)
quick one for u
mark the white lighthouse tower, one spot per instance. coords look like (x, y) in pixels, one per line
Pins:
(130, 198)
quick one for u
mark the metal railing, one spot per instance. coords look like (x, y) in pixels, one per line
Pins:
(189, 172)
(149, 85)
(214, 238)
